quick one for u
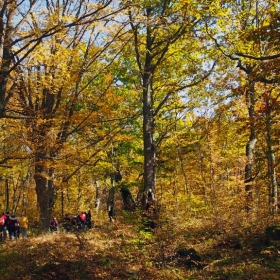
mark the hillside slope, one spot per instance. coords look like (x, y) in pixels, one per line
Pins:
(122, 251)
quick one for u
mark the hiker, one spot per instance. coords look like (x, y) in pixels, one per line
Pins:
(67, 223)
(88, 219)
(7, 214)
(53, 225)
(81, 221)
(13, 227)
(23, 226)
(75, 222)
(3, 228)
(83, 217)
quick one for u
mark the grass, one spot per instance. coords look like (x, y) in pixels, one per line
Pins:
(122, 251)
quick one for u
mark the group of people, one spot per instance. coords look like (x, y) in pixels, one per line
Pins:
(76, 222)
(13, 226)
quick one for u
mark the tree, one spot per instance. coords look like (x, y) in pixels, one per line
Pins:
(253, 44)
(61, 91)
(164, 39)
(21, 33)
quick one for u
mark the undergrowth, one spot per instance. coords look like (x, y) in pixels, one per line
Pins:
(123, 250)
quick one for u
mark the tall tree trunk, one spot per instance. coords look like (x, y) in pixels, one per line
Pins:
(182, 166)
(6, 44)
(44, 190)
(64, 186)
(16, 197)
(7, 194)
(111, 194)
(147, 70)
(273, 185)
(24, 204)
(149, 146)
(111, 203)
(148, 120)
(97, 195)
(249, 178)
(152, 42)
(62, 202)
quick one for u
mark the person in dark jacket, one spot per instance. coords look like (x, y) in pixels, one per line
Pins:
(53, 224)
(88, 219)
(67, 223)
(13, 227)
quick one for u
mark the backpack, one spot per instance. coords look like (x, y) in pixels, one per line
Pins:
(2, 220)
(12, 223)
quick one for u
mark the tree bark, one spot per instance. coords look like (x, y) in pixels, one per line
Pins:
(111, 204)
(7, 194)
(97, 195)
(148, 119)
(271, 162)
(249, 178)
(45, 191)
(6, 44)
(148, 134)
(273, 186)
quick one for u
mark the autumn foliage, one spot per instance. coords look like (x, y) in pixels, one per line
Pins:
(158, 114)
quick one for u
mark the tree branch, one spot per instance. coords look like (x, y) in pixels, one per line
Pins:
(183, 87)
(260, 58)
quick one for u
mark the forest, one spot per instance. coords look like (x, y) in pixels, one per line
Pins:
(159, 116)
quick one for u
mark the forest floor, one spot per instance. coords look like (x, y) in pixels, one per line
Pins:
(122, 250)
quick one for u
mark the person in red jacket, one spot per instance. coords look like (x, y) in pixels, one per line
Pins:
(83, 217)
(3, 227)
(82, 220)
(7, 214)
